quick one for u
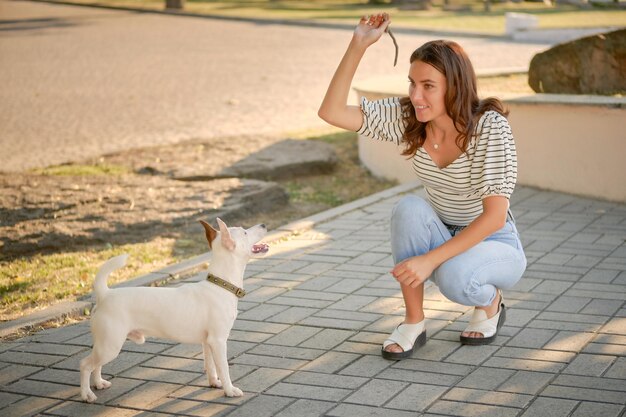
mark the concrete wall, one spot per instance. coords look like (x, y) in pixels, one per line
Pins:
(570, 144)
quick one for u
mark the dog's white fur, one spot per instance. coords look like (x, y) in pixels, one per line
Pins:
(192, 313)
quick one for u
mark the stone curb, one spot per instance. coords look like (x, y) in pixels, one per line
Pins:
(73, 308)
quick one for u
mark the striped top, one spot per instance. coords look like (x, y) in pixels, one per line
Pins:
(488, 168)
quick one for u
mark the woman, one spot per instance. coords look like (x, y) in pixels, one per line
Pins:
(463, 152)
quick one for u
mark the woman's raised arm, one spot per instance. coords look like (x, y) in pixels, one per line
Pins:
(334, 108)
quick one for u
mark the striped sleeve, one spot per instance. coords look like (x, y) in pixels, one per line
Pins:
(382, 119)
(494, 166)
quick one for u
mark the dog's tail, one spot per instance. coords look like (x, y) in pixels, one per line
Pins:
(100, 287)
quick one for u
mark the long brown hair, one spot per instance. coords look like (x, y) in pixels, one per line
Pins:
(461, 100)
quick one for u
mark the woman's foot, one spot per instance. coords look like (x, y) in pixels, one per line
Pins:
(404, 340)
(485, 323)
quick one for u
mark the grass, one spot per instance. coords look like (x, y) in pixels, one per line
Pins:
(475, 19)
(31, 283)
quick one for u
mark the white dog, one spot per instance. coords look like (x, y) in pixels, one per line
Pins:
(201, 312)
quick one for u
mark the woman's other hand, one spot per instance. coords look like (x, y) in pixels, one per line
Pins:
(371, 28)
(413, 271)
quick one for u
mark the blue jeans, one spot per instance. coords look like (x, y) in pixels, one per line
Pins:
(470, 278)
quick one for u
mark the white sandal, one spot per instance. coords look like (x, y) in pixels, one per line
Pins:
(408, 337)
(479, 323)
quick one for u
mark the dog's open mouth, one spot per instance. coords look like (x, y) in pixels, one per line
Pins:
(260, 248)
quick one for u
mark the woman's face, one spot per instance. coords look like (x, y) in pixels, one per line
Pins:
(427, 91)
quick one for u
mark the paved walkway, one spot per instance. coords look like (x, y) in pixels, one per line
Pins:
(307, 339)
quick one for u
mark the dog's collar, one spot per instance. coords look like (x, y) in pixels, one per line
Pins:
(239, 292)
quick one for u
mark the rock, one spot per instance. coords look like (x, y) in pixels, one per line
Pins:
(284, 159)
(257, 157)
(89, 211)
(591, 65)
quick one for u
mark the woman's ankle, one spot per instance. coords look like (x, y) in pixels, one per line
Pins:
(413, 319)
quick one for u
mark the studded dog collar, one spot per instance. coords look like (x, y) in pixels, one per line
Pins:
(239, 292)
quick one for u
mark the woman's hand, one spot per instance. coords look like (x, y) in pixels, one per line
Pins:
(413, 271)
(370, 29)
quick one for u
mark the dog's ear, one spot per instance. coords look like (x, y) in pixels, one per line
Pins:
(211, 233)
(227, 240)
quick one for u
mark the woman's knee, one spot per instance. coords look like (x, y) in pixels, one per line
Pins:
(408, 208)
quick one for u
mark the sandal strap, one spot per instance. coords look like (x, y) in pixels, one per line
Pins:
(479, 323)
(405, 335)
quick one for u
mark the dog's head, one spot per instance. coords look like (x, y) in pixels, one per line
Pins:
(236, 239)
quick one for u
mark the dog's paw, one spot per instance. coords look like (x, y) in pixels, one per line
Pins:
(233, 392)
(215, 383)
(88, 396)
(102, 384)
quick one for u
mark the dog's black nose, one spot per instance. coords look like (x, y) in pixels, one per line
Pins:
(263, 225)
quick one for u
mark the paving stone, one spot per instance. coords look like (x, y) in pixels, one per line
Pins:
(472, 355)
(353, 410)
(261, 379)
(550, 407)
(605, 349)
(82, 409)
(268, 361)
(30, 359)
(8, 398)
(205, 395)
(524, 364)
(616, 325)
(29, 406)
(174, 363)
(569, 341)
(293, 335)
(476, 396)
(308, 391)
(347, 286)
(317, 268)
(352, 302)
(42, 389)
(602, 307)
(589, 365)
(437, 367)
(159, 375)
(306, 408)
(604, 383)
(486, 378)
(586, 409)
(300, 302)
(531, 338)
(416, 397)
(348, 315)
(471, 410)
(12, 373)
(584, 394)
(525, 382)
(334, 323)
(618, 369)
(293, 315)
(604, 276)
(49, 348)
(287, 352)
(536, 354)
(145, 395)
(326, 380)
(59, 376)
(426, 378)
(572, 292)
(184, 350)
(367, 366)
(320, 283)
(252, 326)
(262, 406)
(247, 336)
(561, 325)
(327, 339)
(376, 392)
(330, 362)
(359, 348)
